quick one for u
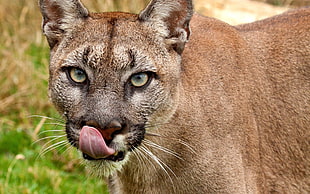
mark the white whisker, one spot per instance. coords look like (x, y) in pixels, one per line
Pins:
(140, 154)
(136, 154)
(48, 131)
(69, 147)
(176, 139)
(52, 130)
(161, 164)
(56, 131)
(49, 137)
(187, 145)
(152, 134)
(53, 146)
(156, 125)
(56, 138)
(45, 117)
(166, 150)
(56, 124)
(65, 147)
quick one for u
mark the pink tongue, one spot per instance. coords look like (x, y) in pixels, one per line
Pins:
(92, 143)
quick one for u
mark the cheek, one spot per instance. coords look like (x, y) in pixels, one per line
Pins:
(64, 96)
(166, 106)
(149, 101)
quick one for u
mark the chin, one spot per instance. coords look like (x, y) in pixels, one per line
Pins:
(104, 168)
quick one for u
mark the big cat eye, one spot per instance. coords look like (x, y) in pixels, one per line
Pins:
(77, 75)
(140, 79)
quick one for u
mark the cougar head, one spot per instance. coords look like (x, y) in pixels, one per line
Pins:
(114, 76)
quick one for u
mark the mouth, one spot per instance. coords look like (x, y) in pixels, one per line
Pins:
(94, 146)
(98, 144)
(117, 157)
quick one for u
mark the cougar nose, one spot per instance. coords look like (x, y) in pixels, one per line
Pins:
(108, 130)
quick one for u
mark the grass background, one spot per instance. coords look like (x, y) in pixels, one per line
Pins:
(23, 95)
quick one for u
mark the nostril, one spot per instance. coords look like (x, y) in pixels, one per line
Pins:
(111, 129)
(107, 131)
(114, 125)
(92, 123)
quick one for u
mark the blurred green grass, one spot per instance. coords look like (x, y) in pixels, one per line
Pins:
(24, 59)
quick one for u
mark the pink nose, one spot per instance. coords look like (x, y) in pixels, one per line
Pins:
(108, 130)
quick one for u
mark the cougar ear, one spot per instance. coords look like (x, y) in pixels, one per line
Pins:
(170, 18)
(59, 16)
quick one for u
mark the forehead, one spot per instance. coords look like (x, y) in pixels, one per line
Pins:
(111, 29)
(105, 40)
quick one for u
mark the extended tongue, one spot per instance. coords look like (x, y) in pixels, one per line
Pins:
(92, 143)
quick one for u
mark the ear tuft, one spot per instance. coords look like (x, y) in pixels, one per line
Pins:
(59, 16)
(170, 18)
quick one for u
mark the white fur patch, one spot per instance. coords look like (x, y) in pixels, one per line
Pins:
(105, 168)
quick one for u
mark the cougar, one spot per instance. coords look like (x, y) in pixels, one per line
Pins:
(168, 101)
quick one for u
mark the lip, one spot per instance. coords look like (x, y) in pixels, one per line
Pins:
(117, 157)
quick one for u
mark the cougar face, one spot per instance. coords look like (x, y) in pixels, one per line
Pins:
(110, 87)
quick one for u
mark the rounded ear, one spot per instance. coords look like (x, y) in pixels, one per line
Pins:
(59, 17)
(170, 18)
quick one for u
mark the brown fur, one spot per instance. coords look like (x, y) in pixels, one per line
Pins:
(235, 112)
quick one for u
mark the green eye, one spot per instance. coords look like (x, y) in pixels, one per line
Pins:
(139, 79)
(77, 75)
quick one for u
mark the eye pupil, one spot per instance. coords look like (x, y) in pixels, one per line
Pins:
(78, 75)
(139, 80)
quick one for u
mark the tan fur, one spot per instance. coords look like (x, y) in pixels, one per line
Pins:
(230, 110)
